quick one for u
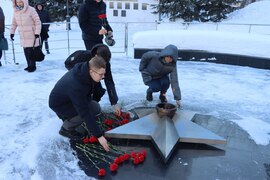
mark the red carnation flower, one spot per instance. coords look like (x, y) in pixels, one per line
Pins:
(122, 157)
(133, 154)
(127, 116)
(136, 160)
(113, 167)
(117, 160)
(101, 172)
(144, 153)
(102, 16)
(116, 116)
(141, 158)
(126, 156)
(108, 122)
(125, 121)
(93, 139)
(85, 140)
(122, 114)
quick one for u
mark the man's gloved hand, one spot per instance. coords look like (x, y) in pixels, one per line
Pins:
(12, 37)
(109, 39)
(36, 36)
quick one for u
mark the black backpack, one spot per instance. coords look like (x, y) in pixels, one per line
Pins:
(77, 57)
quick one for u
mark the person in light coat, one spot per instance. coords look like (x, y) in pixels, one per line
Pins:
(27, 21)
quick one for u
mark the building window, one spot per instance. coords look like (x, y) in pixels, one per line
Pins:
(119, 5)
(144, 6)
(115, 12)
(127, 5)
(123, 13)
(111, 5)
(136, 6)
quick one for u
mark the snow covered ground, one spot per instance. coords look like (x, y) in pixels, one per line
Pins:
(31, 147)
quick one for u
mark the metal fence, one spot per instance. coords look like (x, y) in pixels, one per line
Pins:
(69, 40)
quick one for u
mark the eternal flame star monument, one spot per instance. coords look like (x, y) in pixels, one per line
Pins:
(165, 132)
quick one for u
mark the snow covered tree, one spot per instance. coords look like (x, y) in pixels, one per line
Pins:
(176, 9)
(198, 10)
(214, 10)
(58, 8)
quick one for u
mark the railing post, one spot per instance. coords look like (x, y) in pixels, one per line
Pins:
(68, 41)
(249, 30)
(126, 38)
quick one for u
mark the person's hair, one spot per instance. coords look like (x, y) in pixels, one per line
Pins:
(97, 62)
(104, 52)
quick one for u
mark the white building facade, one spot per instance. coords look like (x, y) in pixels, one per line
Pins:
(131, 10)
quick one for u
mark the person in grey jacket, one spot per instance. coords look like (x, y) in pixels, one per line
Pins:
(159, 71)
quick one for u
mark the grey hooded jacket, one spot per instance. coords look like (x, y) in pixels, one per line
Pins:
(152, 66)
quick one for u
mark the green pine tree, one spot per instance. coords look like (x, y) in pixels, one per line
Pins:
(197, 10)
(58, 8)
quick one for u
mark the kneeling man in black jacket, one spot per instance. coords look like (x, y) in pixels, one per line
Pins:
(71, 99)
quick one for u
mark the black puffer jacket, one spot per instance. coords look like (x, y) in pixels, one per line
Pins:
(152, 66)
(44, 16)
(89, 20)
(71, 92)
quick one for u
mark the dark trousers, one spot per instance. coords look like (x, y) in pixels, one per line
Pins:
(0, 56)
(46, 44)
(159, 85)
(28, 53)
(70, 117)
(99, 91)
(89, 44)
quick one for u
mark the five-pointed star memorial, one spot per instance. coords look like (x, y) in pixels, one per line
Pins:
(166, 132)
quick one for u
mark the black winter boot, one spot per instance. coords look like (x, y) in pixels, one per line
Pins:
(31, 68)
(71, 134)
(163, 98)
(149, 95)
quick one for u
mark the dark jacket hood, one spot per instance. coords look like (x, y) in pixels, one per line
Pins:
(95, 47)
(81, 72)
(170, 50)
(39, 3)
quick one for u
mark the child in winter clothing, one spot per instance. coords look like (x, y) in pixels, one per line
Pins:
(44, 18)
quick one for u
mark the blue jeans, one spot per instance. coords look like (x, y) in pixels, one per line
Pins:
(159, 85)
